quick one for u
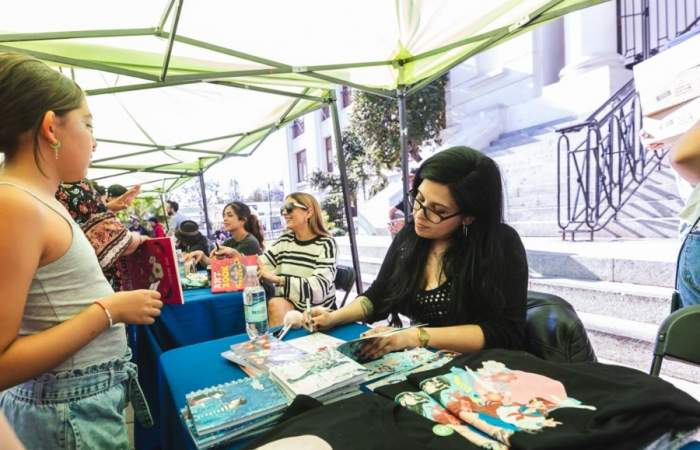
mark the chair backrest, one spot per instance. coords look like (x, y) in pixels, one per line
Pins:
(554, 331)
(344, 280)
(679, 338)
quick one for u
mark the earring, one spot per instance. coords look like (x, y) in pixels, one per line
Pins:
(465, 229)
(55, 146)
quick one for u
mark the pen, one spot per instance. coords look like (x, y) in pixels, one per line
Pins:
(308, 314)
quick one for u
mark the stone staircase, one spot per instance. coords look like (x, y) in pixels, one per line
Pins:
(528, 164)
(621, 290)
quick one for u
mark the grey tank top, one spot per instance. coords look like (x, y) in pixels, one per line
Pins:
(63, 288)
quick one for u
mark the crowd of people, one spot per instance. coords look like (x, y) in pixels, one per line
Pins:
(455, 268)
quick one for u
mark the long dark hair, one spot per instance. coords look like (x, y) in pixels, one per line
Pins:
(252, 225)
(472, 262)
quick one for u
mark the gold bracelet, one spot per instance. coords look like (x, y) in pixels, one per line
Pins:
(423, 337)
(107, 312)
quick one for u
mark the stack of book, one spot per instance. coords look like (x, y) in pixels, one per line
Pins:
(231, 411)
(259, 355)
(327, 376)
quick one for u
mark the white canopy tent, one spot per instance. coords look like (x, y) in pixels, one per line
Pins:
(177, 86)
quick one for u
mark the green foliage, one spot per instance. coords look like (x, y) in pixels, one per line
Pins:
(332, 203)
(376, 121)
(143, 208)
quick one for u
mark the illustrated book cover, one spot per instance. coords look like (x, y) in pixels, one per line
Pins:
(229, 404)
(153, 266)
(227, 273)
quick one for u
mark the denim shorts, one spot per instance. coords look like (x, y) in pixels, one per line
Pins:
(689, 270)
(76, 409)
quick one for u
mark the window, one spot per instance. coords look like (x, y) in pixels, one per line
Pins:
(325, 112)
(301, 166)
(329, 153)
(297, 127)
(345, 96)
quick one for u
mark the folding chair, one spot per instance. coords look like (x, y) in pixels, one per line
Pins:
(344, 280)
(678, 338)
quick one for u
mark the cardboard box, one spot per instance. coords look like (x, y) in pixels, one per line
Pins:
(670, 78)
(665, 127)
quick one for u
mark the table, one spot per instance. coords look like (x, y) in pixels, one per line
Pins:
(187, 369)
(203, 317)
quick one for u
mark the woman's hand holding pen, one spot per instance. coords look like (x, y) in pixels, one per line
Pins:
(322, 318)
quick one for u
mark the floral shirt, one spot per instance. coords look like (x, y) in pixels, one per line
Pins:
(109, 237)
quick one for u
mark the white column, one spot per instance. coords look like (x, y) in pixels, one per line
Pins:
(590, 43)
(593, 69)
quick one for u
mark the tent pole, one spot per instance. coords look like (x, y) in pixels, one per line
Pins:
(346, 193)
(204, 199)
(403, 140)
(165, 214)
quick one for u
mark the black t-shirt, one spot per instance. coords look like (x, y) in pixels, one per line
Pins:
(536, 404)
(249, 245)
(367, 422)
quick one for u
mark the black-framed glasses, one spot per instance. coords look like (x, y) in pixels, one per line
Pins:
(431, 215)
(289, 207)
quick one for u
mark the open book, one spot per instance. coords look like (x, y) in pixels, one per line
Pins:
(153, 266)
(353, 348)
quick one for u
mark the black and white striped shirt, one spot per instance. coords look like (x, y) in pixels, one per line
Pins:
(308, 269)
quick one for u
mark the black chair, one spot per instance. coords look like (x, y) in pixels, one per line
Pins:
(554, 331)
(678, 338)
(344, 280)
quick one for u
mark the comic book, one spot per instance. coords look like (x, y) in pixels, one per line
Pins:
(227, 274)
(237, 402)
(317, 374)
(153, 266)
(263, 353)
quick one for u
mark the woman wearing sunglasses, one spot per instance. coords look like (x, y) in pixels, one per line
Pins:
(458, 268)
(301, 263)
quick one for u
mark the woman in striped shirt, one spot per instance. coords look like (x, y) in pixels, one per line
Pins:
(301, 263)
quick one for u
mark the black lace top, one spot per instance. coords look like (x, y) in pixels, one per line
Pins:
(432, 305)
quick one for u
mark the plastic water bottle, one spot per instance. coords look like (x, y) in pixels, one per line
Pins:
(254, 304)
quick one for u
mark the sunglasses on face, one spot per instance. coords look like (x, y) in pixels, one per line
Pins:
(289, 207)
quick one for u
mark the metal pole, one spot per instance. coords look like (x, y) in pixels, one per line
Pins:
(269, 209)
(204, 199)
(346, 193)
(165, 213)
(403, 140)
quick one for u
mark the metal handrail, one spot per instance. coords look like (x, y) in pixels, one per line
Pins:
(600, 173)
(597, 177)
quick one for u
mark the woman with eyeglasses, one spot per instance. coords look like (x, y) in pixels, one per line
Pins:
(458, 269)
(301, 263)
(246, 235)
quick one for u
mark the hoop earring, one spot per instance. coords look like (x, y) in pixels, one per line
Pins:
(465, 229)
(55, 146)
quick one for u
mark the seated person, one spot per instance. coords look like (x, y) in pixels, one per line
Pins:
(157, 230)
(457, 268)
(189, 239)
(246, 236)
(301, 264)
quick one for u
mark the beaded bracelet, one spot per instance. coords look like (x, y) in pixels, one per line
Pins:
(109, 314)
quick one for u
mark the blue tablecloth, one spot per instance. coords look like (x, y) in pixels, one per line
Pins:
(187, 369)
(203, 317)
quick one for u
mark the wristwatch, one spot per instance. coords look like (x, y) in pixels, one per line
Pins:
(423, 337)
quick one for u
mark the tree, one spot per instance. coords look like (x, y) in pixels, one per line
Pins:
(376, 121)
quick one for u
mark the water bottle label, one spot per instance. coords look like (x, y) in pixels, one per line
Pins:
(256, 307)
